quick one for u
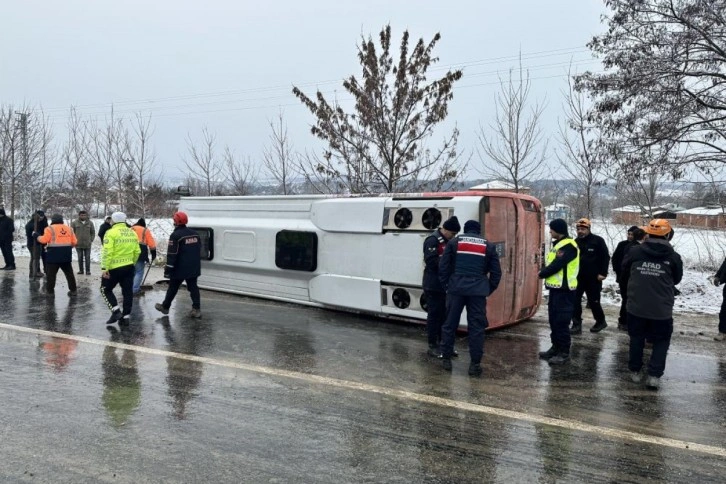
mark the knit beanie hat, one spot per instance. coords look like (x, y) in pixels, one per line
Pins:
(472, 227)
(559, 226)
(452, 224)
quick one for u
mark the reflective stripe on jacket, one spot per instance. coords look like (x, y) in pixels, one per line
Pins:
(573, 267)
(120, 247)
(59, 241)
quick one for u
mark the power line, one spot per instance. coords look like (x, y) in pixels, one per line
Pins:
(485, 61)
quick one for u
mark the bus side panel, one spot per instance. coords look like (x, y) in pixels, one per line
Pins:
(499, 229)
(530, 258)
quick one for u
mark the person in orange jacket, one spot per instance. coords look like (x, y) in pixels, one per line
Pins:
(148, 248)
(59, 241)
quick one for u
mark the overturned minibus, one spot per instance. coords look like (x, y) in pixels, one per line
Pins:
(362, 254)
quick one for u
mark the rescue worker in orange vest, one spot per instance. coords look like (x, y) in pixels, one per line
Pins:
(59, 241)
(147, 244)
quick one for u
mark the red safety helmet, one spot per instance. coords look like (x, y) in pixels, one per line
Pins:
(180, 218)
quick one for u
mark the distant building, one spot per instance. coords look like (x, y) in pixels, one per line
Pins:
(710, 217)
(499, 186)
(628, 215)
(558, 210)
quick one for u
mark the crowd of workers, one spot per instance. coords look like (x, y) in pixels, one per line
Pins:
(461, 271)
(126, 251)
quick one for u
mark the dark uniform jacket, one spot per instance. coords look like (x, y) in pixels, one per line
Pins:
(30, 227)
(651, 270)
(433, 248)
(467, 261)
(721, 274)
(184, 256)
(102, 230)
(7, 227)
(564, 256)
(619, 256)
(594, 257)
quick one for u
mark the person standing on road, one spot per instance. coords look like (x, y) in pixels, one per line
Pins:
(59, 241)
(37, 223)
(719, 279)
(635, 235)
(560, 272)
(433, 248)
(7, 229)
(651, 270)
(85, 233)
(594, 262)
(120, 253)
(147, 244)
(469, 272)
(183, 264)
(107, 224)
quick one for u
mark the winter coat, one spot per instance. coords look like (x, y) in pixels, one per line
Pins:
(184, 255)
(7, 227)
(594, 257)
(102, 230)
(619, 255)
(85, 232)
(146, 241)
(469, 266)
(30, 228)
(433, 249)
(721, 274)
(650, 271)
(120, 247)
(59, 241)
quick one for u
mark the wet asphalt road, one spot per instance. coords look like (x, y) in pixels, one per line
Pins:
(258, 391)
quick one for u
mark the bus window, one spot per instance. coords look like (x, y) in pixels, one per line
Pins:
(296, 251)
(206, 236)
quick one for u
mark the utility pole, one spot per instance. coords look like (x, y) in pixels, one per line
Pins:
(23, 126)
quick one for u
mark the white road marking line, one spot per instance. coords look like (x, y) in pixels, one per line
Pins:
(400, 394)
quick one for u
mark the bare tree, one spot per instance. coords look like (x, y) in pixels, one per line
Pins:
(75, 187)
(108, 160)
(241, 175)
(278, 157)
(516, 150)
(381, 145)
(202, 161)
(641, 191)
(13, 154)
(141, 162)
(576, 155)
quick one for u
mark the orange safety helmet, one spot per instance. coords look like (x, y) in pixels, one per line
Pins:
(658, 227)
(583, 222)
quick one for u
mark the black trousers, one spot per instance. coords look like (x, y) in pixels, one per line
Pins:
(623, 318)
(476, 321)
(592, 289)
(559, 309)
(435, 316)
(52, 272)
(658, 331)
(84, 255)
(123, 276)
(6, 247)
(192, 287)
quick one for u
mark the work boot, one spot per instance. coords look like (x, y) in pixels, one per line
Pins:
(546, 355)
(9, 268)
(195, 313)
(79, 272)
(599, 327)
(475, 369)
(434, 351)
(720, 337)
(72, 293)
(125, 320)
(161, 308)
(636, 376)
(652, 382)
(446, 364)
(576, 328)
(115, 316)
(559, 359)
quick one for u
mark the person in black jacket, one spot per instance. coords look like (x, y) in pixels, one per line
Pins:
(107, 224)
(7, 229)
(183, 264)
(37, 223)
(719, 279)
(469, 272)
(433, 248)
(651, 270)
(635, 235)
(594, 262)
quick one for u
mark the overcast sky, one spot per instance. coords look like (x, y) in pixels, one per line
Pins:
(230, 65)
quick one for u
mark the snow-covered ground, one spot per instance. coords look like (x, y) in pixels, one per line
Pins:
(702, 252)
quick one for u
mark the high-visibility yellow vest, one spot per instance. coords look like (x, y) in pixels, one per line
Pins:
(573, 267)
